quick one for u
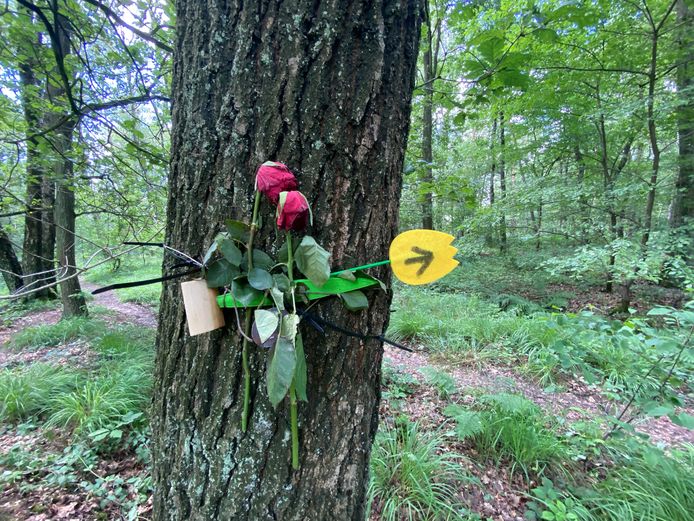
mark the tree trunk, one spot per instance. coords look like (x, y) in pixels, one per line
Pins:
(61, 139)
(502, 183)
(428, 126)
(71, 296)
(9, 263)
(39, 238)
(653, 140)
(327, 90)
(682, 209)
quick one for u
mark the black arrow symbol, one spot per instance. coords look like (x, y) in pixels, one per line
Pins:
(426, 257)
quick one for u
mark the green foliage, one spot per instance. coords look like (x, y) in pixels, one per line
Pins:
(56, 334)
(441, 381)
(132, 269)
(115, 396)
(73, 470)
(14, 310)
(512, 429)
(411, 478)
(398, 383)
(28, 391)
(648, 485)
(652, 486)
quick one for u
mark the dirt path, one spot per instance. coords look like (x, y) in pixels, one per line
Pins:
(77, 352)
(125, 312)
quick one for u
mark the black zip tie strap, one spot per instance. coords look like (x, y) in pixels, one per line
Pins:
(315, 319)
(143, 282)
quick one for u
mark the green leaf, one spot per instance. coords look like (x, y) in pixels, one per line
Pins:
(355, 300)
(230, 252)
(290, 325)
(546, 35)
(656, 312)
(221, 273)
(347, 275)
(238, 230)
(281, 281)
(115, 434)
(244, 293)
(260, 279)
(262, 260)
(683, 420)
(278, 298)
(210, 251)
(660, 410)
(459, 119)
(266, 323)
(300, 377)
(280, 373)
(313, 261)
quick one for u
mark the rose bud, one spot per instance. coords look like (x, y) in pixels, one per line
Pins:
(273, 178)
(293, 211)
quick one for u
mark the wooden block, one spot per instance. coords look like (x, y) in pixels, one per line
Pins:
(202, 312)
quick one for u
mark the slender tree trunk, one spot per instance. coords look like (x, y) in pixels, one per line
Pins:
(39, 237)
(492, 174)
(538, 230)
(73, 300)
(327, 90)
(682, 209)
(9, 263)
(428, 126)
(653, 140)
(502, 183)
(61, 139)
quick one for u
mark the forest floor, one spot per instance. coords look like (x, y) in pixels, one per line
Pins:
(70, 480)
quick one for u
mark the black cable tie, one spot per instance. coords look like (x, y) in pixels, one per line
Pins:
(350, 333)
(137, 243)
(143, 282)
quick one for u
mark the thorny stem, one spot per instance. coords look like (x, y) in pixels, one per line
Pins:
(293, 412)
(249, 321)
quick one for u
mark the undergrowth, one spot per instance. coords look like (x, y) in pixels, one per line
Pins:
(512, 430)
(412, 478)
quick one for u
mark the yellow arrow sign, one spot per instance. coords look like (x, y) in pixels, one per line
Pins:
(422, 256)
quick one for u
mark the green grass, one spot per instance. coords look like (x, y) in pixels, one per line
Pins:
(653, 486)
(411, 478)
(28, 391)
(82, 401)
(468, 325)
(12, 310)
(510, 429)
(134, 268)
(648, 485)
(59, 333)
(548, 346)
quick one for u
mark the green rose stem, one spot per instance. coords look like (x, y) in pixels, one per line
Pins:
(292, 388)
(249, 321)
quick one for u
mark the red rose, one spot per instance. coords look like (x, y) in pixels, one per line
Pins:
(273, 178)
(293, 212)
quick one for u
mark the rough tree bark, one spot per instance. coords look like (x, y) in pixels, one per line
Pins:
(682, 209)
(326, 88)
(429, 73)
(61, 139)
(502, 183)
(9, 263)
(39, 237)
